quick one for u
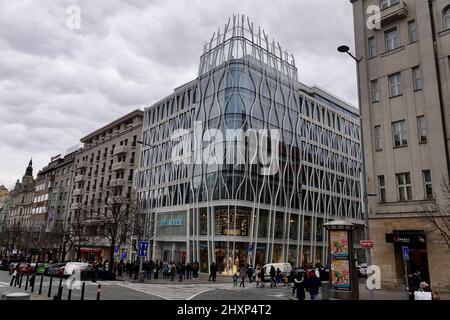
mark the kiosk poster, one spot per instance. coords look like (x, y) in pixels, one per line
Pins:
(340, 274)
(339, 244)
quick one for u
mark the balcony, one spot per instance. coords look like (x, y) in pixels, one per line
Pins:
(76, 192)
(82, 164)
(79, 178)
(120, 150)
(119, 166)
(393, 13)
(117, 182)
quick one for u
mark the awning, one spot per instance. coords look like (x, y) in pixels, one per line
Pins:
(91, 250)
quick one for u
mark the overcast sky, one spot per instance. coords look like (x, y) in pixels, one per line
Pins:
(58, 84)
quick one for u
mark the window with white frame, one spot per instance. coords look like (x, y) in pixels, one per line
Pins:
(378, 138)
(400, 133)
(422, 129)
(395, 84)
(447, 18)
(372, 47)
(412, 31)
(375, 91)
(404, 186)
(382, 188)
(417, 78)
(428, 184)
(388, 3)
(391, 39)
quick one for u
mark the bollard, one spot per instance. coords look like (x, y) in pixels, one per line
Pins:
(26, 284)
(82, 291)
(50, 287)
(12, 281)
(60, 291)
(33, 279)
(99, 290)
(69, 295)
(15, 280)
(20, 282)
(40, 285)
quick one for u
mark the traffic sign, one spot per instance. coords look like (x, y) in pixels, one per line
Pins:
(405, 251)
(250, 247)
(366, 244)
(124, 254)
(143, 246)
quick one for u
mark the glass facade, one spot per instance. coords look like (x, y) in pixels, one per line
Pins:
(248, 166)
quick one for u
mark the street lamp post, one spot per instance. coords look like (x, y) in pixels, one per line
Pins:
(141, 277)
(358, 59)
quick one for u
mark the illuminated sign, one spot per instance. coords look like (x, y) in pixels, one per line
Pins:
(173, 222)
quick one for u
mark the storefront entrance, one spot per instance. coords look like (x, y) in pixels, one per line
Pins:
(415, 240)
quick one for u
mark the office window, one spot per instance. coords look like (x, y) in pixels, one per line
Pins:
(382, 188)
(391, 38)
(447, 18)
(422, 129)
(417, 78)
(427, 183)
(375, 91)
(388, 3)
(404, 186)
(412, 30)
(400, 133)
(378, 138)
(372, 47)
(395, 85)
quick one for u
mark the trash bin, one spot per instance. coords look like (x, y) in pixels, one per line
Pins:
(17, 296)
(325, 289)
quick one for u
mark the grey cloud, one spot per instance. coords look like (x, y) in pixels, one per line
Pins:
(57, 85)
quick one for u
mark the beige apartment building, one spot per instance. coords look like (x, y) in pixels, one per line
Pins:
(405, 109)
(105, 166)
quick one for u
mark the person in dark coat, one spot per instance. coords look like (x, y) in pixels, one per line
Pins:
(313, 284)
(136, 270)
(250, 274)
(299, 285)
(273, 274)
(212, 271)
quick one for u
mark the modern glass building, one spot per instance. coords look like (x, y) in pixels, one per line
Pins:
(245, 163)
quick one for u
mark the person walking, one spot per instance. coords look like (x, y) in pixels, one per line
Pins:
(273, 274)
(173, 270)
(250, 274)
(242, 275)
(180, 272)
(136, 270)
(212, 271)
(188, 270)
(278, 276)
(299, 285)
(94, 271)
(235, 279)
(313, 284)
(258, 276)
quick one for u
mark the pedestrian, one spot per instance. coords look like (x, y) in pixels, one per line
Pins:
(136, 270)
(235, 279)
(173, 270)
(242, 275)
(278, 276)
(313, 284)
(188, 270)
(250, 273)
(94, 271)
(195, 269)
(273, 274)
(212, 271)
(120, 268)
(263, 280)
(258, 276)
(299, 285)
(180, 272)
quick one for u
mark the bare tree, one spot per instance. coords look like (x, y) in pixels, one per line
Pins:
(437, 215)
(115, 222)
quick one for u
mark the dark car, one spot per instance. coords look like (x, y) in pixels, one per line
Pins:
(55, 269)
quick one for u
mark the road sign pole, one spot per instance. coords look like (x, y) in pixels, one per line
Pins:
(405, 253)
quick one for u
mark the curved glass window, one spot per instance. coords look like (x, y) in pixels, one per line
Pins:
(447, 18)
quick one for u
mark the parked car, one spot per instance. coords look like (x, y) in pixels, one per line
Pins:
(362, 269)
(5, 263)
(284, 267)
(41, 268)
(25, 268)
(55, 269)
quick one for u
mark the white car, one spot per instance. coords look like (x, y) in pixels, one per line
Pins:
(284, 267)
(82, 267)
